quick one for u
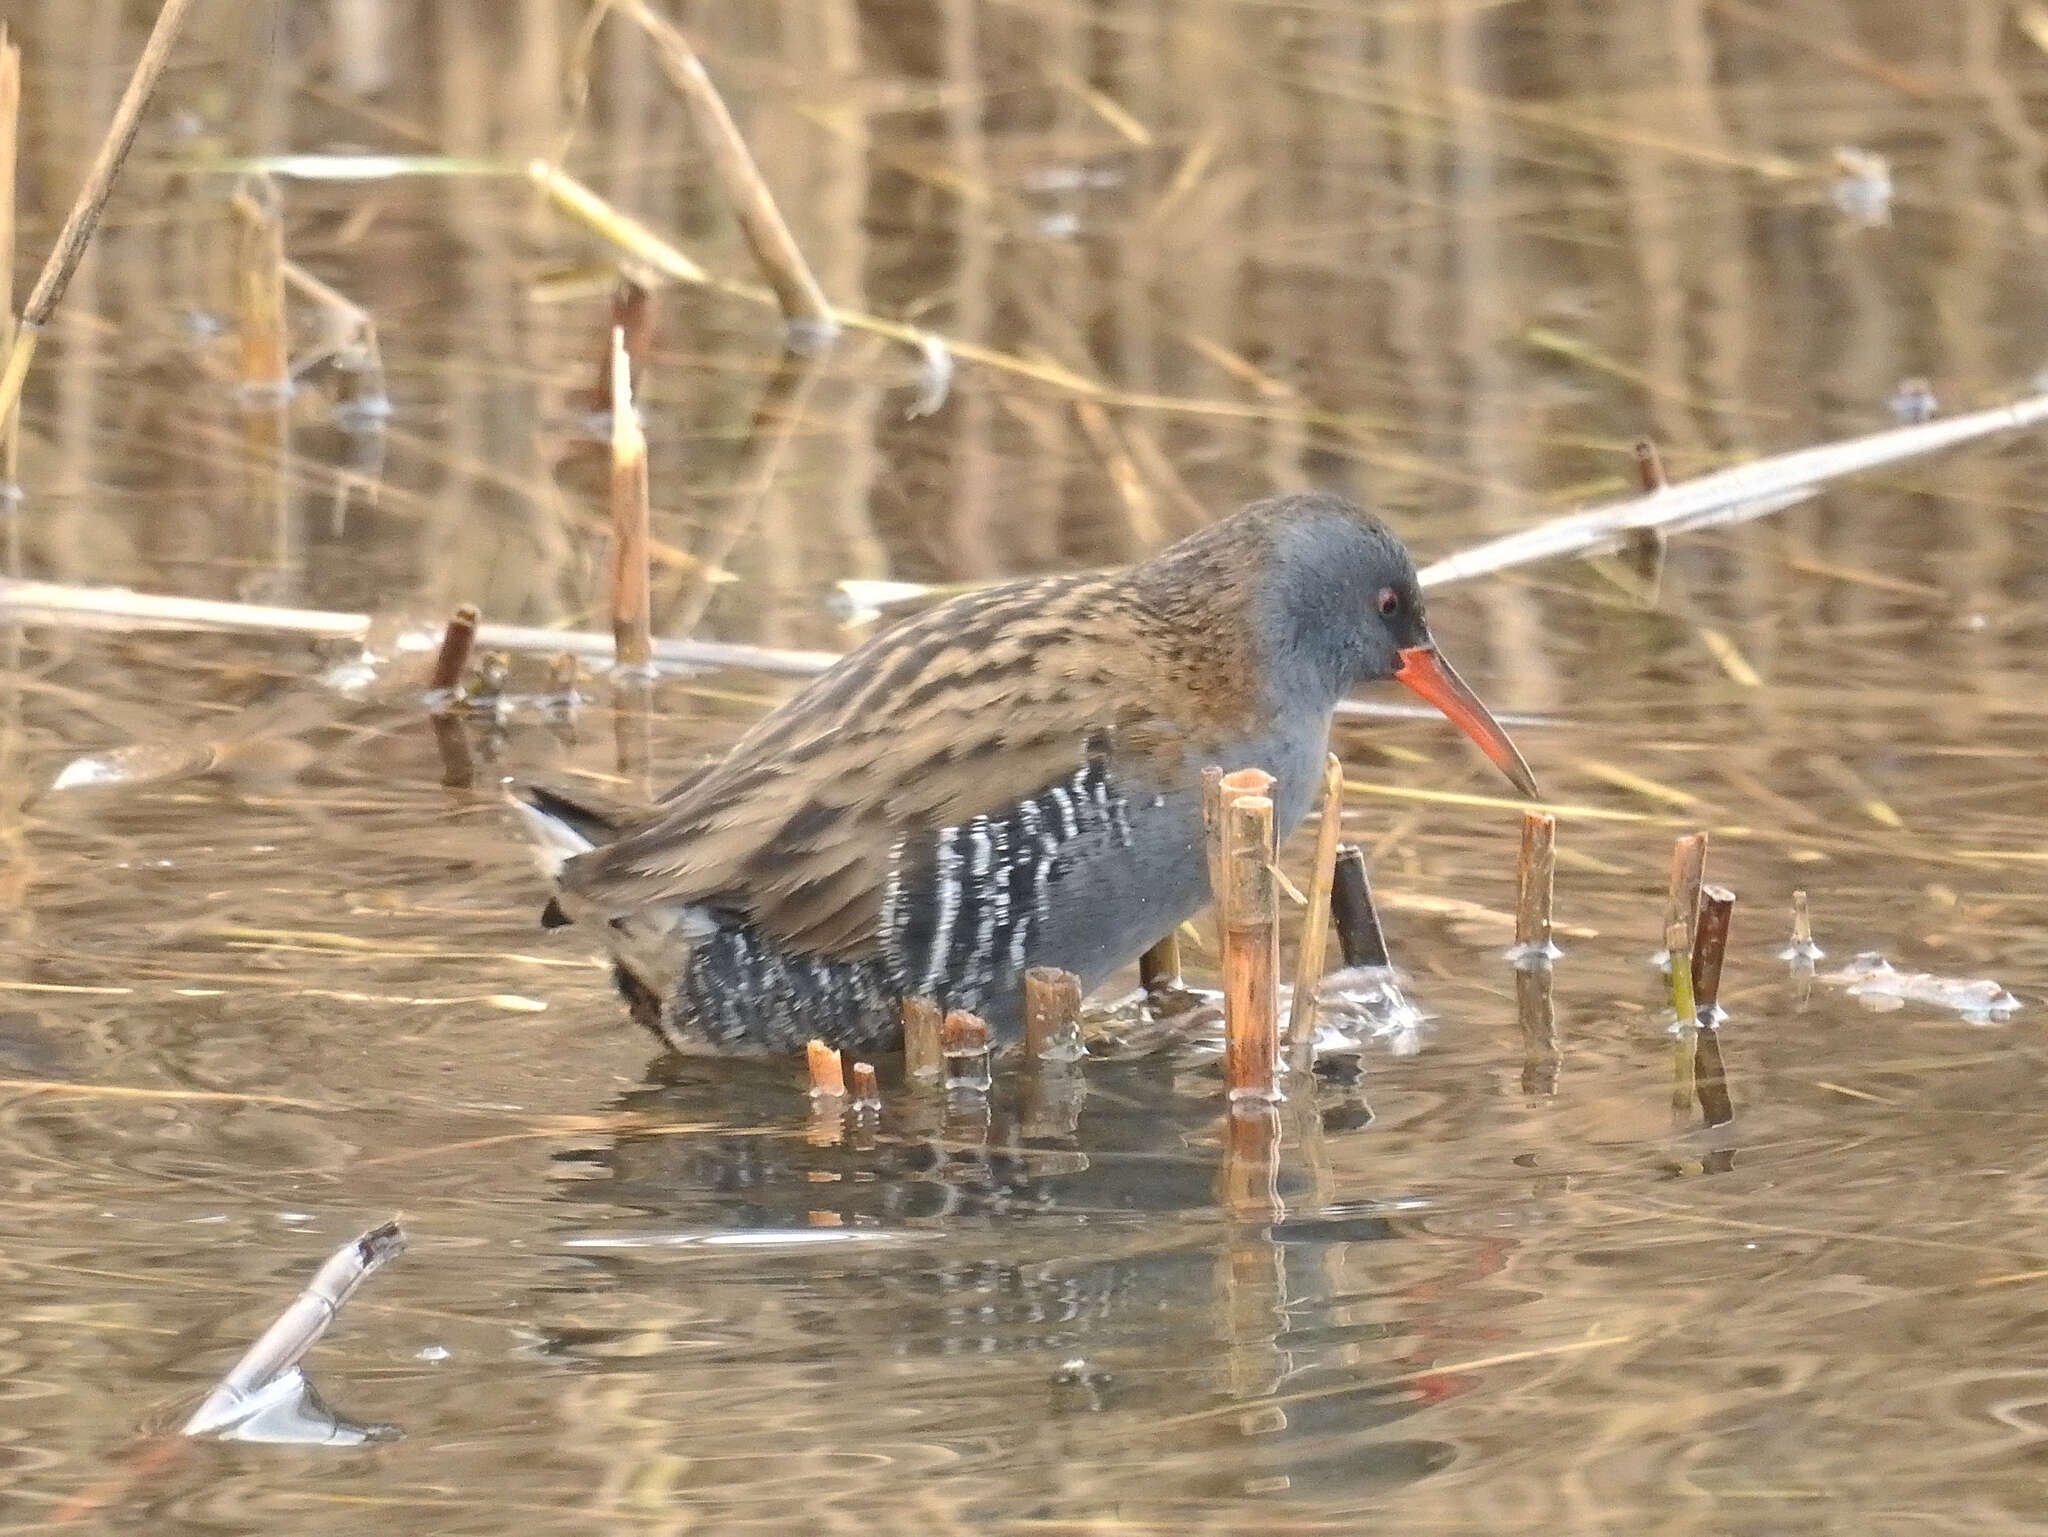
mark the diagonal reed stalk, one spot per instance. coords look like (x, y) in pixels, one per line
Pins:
(91, 202)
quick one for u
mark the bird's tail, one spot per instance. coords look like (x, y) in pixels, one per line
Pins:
(563, 823)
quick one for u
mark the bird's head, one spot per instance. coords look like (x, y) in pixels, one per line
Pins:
(1339, 605)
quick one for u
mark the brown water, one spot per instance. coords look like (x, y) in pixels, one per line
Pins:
(1459, 254)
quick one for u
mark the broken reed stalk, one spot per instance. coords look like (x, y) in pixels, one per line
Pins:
(280, 1347)
(10, 128)
(632, 598)
(828, 1071)
(1649, 466)
(90, 203)
(1251, 942)
(456, 643)
(1159, 967)
(633, 318)
(1710, 948)
(265, 372)
(1052, 1014)
(804, 305)
(924, 1053)
(1535, 886)
(1678, 940)
(965, 1040)
(1688, 869)
(1315, 923)
(1359, 936)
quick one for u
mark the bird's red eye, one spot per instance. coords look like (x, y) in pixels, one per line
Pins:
(1390, 602)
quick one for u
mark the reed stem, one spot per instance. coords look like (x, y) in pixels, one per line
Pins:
(1688, 869)
(456, 643)
(828, 1071)
(867, 1089)
(1678, 941)
(1535, 887)
(965, 1040)
(1052, 1014)
(1251, 943)
(1315, 923)
(1159, 967)
(10, 131)
(631, 581)
(90, 203)
(265, 372)
(924, 1054)
(1359, 935)
(811, 321)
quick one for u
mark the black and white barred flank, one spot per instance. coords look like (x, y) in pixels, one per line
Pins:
(959, 916)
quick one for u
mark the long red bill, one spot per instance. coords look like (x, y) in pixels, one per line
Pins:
(1431, 677)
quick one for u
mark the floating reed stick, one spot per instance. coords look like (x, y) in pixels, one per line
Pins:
(924, 1053)
(280, 1347)
(1315, 923)
(1359, 935)
(1535, 883)
(1251, 943)
(1688, 869)
(803, 302)
(1679, 942)
(1052, 1014)
(265, 370)
(632, 603)
(91, 201)
(965, 1040)
(456, 642)
(10, 128)
(828, 1072)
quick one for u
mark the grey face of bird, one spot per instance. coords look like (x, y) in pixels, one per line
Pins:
(1344, 608)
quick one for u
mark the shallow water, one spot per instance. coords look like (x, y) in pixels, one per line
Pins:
(288, 982)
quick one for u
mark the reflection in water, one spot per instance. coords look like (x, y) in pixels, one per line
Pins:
(276, 973)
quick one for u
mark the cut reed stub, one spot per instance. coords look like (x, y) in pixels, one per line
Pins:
(924, 1052)
(1649, 466)
(631, 582)
(452, 660)
(1251, 944)
(1685, 1025)
(1159, 967)
(828, 1073)
(1709, 950)
(1535, 883)
(867, 1089)
(965, 1040)
(1802, 947)
(1315, 923)
(1360, 938)
(1052, 1015)
(1682, 902)
(264, 374)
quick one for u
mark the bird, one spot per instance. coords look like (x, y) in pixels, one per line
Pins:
(1010, 779)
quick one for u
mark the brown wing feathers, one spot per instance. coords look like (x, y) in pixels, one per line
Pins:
(965, 710)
